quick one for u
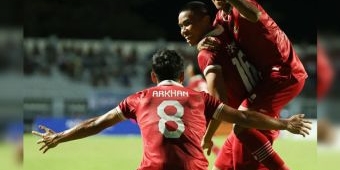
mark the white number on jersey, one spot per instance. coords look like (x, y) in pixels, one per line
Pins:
(176, 118)
(248, 72)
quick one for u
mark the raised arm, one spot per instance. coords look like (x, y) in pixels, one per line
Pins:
(51, 139)
(252, 119)
(246, 9)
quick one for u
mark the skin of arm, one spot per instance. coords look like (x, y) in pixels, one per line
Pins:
(215, 84)
(89, 127)
(246, 9)
(252, 119)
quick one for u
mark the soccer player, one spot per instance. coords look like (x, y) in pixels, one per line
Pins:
(270, 51)
(220, 68)
(172, 119)
(325, 76)
(195, 80)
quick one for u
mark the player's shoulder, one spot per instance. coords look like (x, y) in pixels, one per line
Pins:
(208, 98)
(191, 90)
(205, 52)
(140, 93)
(205, 94)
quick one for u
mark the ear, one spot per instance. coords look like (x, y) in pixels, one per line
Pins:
(154, 78)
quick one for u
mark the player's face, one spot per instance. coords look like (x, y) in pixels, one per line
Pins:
(193, 28)
(220, 4)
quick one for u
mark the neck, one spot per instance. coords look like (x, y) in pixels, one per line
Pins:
(207, 32)
(169, 82)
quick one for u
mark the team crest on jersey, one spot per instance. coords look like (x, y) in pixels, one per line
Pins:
(231, 48)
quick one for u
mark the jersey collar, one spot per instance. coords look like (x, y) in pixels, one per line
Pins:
(169, 83)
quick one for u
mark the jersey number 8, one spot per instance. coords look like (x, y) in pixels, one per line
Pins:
(173, 118)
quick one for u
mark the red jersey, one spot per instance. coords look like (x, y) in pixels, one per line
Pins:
(264, 43)
(240, 77)
(172, 124)
(197, 83)
(325, 73)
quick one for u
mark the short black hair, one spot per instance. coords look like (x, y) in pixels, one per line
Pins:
(199, 8)
(167, 64)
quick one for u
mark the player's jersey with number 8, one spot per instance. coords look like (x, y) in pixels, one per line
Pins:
(172, 120)
(166, 118)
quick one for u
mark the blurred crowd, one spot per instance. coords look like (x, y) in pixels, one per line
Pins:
(104, 63)
(10, 51)
(10, 107)
(101, 63)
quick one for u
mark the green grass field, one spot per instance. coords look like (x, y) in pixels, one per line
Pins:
(124, 153)
(8, 157)
(329, 159)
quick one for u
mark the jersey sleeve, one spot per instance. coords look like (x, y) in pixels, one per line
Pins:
(207, 60)
(212, 105)
(218, 19)
(129, 105)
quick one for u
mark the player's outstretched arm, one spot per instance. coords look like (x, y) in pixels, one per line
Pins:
(51, 139)
(252, 119)
(246, 9)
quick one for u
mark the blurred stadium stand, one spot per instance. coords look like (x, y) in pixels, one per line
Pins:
(82, 78)
(82, 57)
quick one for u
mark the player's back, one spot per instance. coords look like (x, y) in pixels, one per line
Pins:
(172, 124)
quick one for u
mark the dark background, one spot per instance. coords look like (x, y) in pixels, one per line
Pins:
(144, 19)
(11, 13)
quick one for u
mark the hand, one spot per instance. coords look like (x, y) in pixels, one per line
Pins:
(49, 138)
(207, 144)
(298, 125)
(209, 43)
